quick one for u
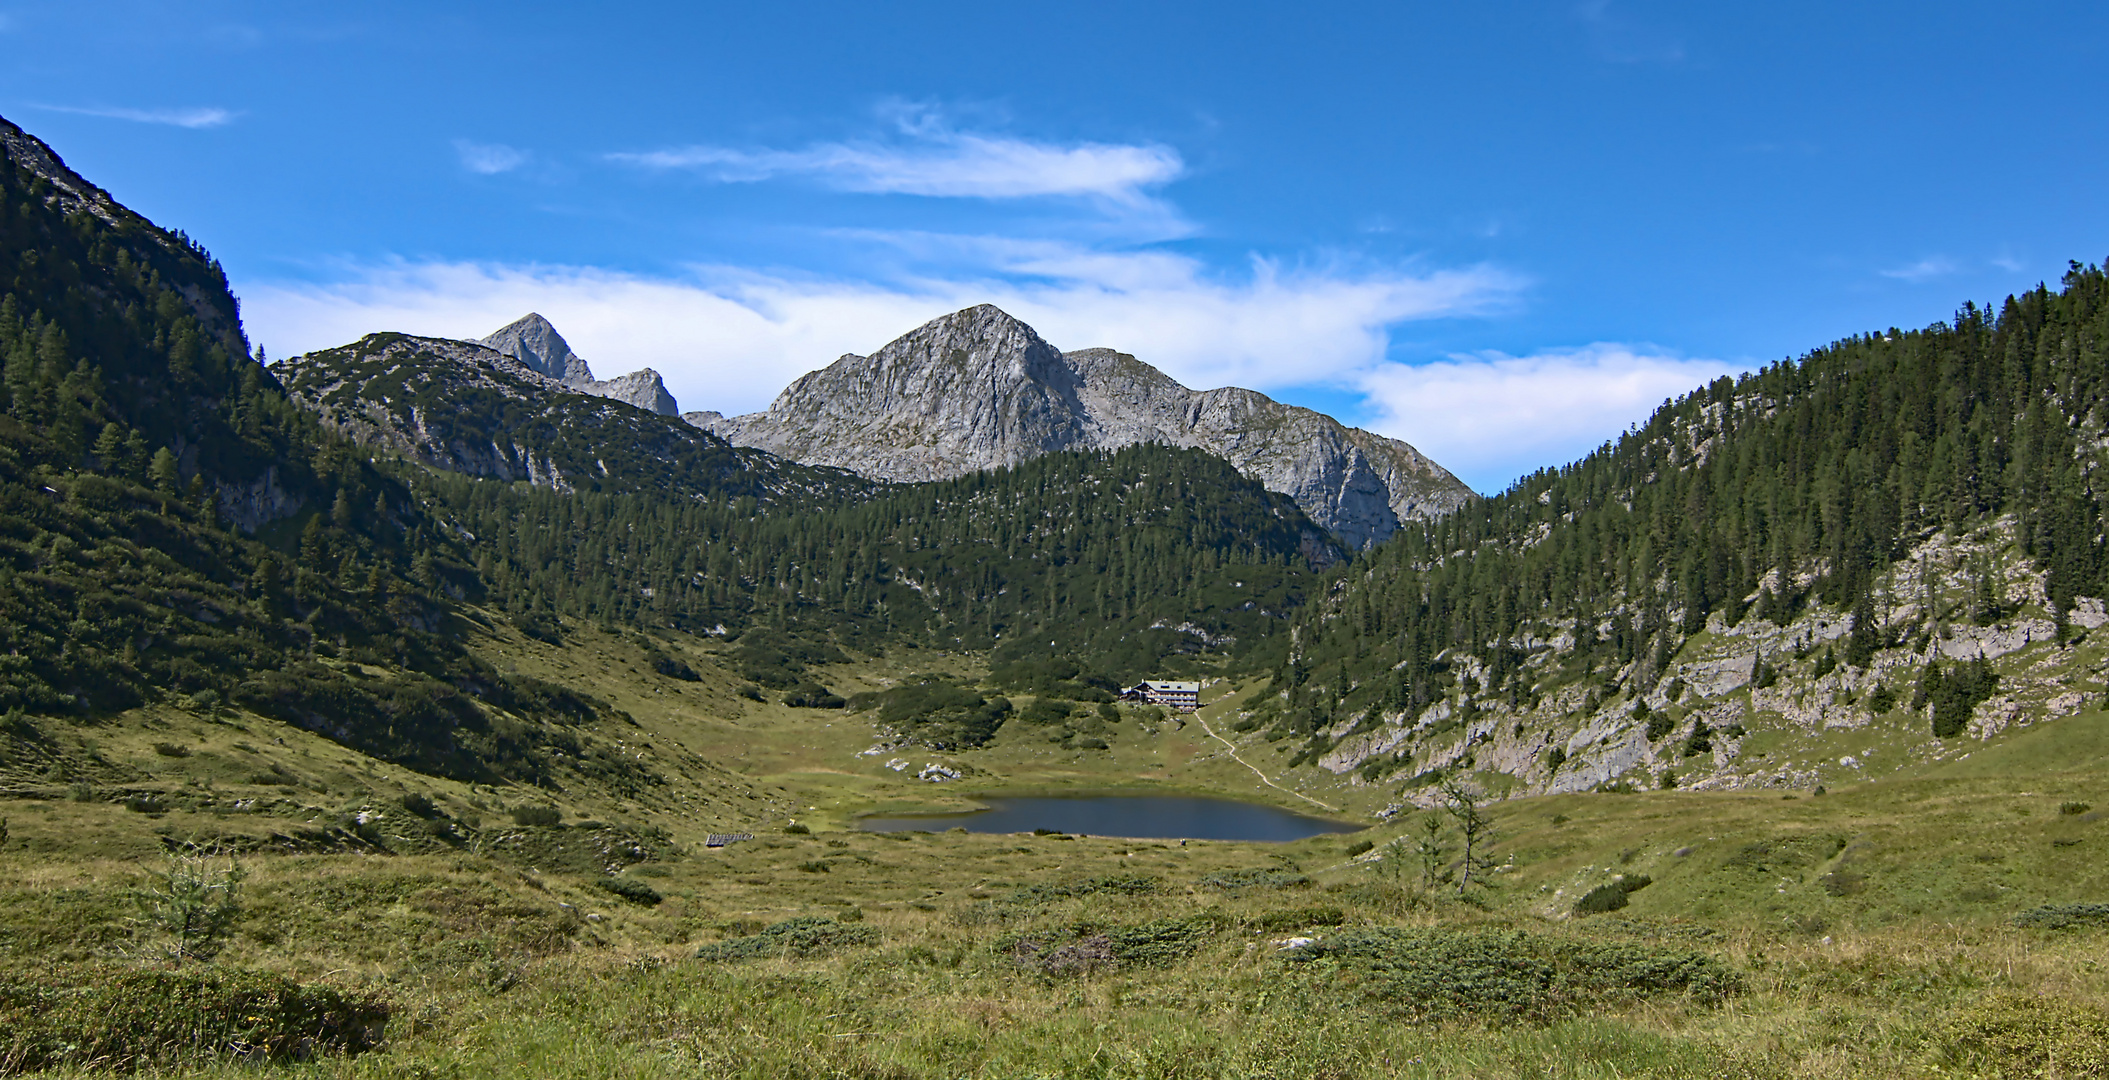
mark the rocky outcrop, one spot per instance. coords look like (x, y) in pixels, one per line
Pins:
(535, 343)
(978, 389)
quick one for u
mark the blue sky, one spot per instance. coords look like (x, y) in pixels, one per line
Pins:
(1500, 231)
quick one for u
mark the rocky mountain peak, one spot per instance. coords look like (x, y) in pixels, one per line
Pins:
(533, 341)
(977, 389)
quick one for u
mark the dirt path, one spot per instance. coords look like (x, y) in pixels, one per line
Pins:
(1264, 778)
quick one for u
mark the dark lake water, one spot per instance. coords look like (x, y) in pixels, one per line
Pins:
(1154, 816)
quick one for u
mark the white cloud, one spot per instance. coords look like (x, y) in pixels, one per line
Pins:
(943, 163)
(183, 118)
(1923, 270)
(488, 159)
(1491, 418)
(730, 339)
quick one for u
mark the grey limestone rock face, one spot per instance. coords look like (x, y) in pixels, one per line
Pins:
(535, 343)
(531, 340)
(978, 389)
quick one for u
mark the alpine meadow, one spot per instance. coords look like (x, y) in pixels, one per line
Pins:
(421, 707)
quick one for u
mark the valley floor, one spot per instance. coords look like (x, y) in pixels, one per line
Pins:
(1879, 928)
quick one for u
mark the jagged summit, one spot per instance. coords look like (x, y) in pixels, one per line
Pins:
(977, 389)
(533, 341)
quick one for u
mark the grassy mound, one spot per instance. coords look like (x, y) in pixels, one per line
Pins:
(157, 1019)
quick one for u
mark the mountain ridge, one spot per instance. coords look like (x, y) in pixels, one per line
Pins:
(977, 388)
(469, 408)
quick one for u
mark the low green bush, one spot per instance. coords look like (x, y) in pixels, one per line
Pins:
(631, 889)
(803, 938)
(812, 695)
(151, 1020)
(1297, 918)
(2063, 916)
(1358, 847)
(539, 816)
(1081, 948)
(1435, 974)
(1611, 896)
(2021, 1035)
(1240, 880)
(1117, 884)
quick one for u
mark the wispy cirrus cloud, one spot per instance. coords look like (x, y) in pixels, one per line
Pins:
(201, 117)
(488, 159)
(929, 158)
(1490, 417)
(1925, 269)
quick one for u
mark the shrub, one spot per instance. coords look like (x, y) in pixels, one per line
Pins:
(795, 829)
(169, 749)
(538, 816)
(157, 1019)
(810, 695)
(1118, 884)
(1240, 880)
(421, 804)
(936, 712)
(1432, 974)
(1659, 725)
(2074, 809)
(1358, 847)
(1297, 918)
(1701, 740)
(803, 937)
(2020, 1035)
(1079, 949)
(2064, 916)
(193, 902)
(1611, 896)
(631, 889)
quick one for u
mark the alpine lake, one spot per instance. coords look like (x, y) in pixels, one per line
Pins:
(1161, 817)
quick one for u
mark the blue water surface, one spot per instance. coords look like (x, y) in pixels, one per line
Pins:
(1154, 816)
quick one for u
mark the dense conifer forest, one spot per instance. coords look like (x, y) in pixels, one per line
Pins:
(1795, 485)
(1122, 560)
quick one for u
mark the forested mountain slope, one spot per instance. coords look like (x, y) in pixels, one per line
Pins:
(1900, 532)
(1119, 559)
(173, 527)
